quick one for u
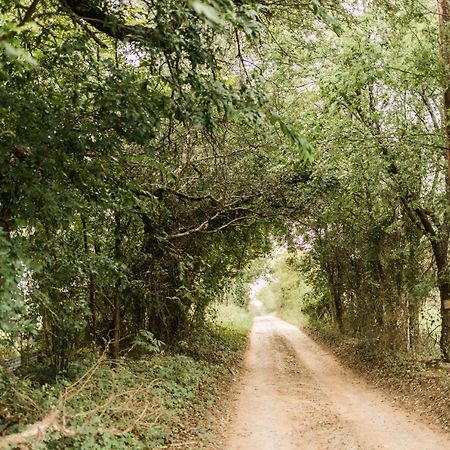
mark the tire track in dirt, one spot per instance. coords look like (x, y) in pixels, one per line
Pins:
(295, 395)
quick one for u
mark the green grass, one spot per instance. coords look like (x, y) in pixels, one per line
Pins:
(293, 316)
(232, 316)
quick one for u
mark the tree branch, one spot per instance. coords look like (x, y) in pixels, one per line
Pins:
(204, 225)
(29, 14)
(182, 195)
(158, 193)
(110, 24)
(88, 31)
(231, 222)
(201, 227)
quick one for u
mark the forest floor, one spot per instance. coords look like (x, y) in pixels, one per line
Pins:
(163, 400)
(294, 394)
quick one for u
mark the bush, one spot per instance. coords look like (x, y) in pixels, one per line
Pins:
(139, 403)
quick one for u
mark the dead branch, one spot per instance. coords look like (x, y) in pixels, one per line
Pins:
(228, 224)
(201, 227)
(35, 431)
(52, 423)
(179, 444)
(132, 407)
(196, 198)
(159, 192)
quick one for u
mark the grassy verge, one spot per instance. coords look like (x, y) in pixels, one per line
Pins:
(418, 385)
(232, 316)
(151, 402)
(293, 316)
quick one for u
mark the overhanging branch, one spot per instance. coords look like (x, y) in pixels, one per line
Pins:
(109, 23)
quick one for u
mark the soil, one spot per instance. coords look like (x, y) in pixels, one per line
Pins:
(412, 382)
(295, 395)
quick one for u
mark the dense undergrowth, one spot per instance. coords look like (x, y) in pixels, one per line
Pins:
(140, 401)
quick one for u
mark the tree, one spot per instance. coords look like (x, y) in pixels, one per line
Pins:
(125, 175)
(370, 101)
(443, 22)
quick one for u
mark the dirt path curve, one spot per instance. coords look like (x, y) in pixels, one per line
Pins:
(295, 395)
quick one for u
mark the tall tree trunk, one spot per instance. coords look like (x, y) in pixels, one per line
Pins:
(440, 256)
(443, 10)
(412, 323)
(338, 308)
(91, 287)
(115, 345)
(444, 290)
(335, 292)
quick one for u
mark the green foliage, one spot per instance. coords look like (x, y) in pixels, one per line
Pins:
(122, 191)
(151, 153)
(10, 46)
(285, 291)
(232, 316)
(140, 403)
(146, 341)
(372, 206)
(327, 18)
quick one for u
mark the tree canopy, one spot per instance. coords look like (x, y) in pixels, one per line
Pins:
(149, 150)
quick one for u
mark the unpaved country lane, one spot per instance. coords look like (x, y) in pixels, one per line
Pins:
(295, 395)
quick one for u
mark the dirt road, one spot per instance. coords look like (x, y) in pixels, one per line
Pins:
(295, 395)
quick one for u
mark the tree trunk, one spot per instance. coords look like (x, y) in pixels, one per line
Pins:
(115, 344)
(440, 256)
(412, 323)
(91, 288)
(443, 9)
(444, 290)
(339, 309)
(335, 292)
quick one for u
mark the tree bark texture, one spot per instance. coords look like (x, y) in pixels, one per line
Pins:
(115, 345)
(443, 10)
(91, 287)
(335, 292)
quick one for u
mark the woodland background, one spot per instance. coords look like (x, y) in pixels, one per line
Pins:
(152, 153)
